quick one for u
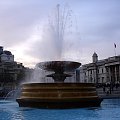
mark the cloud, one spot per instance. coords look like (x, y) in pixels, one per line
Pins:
(23, 28)
(16, 20)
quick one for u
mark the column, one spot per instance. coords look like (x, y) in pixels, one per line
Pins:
(115, 74)
(109, 73)
(119, 73)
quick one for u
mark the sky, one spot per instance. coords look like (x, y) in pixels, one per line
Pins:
(27, 29)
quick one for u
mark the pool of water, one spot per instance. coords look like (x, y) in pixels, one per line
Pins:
(109, 110)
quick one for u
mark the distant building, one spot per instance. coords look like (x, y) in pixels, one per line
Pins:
(11, 72)
(6, 56)
(101, 71)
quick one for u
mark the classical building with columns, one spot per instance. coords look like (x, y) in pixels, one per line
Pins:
(101, 71)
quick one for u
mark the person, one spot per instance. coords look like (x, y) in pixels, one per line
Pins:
(117, 85)
(103, 88)
(107, 91)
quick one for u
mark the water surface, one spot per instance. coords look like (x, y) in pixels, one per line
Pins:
(110, 109)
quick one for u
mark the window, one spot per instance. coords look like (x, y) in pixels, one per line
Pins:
(102, 70)
(98, 70)
(102, 79)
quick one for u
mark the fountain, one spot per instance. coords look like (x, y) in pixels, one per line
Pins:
(59, 94)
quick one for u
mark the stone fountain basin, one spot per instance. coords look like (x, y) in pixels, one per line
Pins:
(59, 95)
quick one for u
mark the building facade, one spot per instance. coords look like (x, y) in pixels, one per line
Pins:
(101, 71)
(11, 71)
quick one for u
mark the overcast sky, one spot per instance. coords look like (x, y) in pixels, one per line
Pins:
(92, 26)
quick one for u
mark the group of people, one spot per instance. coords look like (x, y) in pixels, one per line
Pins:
(109, 87)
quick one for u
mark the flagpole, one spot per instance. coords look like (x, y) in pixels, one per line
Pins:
(115, 49)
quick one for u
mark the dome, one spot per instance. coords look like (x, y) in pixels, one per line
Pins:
(7, 52)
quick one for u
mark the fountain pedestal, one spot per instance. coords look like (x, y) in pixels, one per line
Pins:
(59, 94)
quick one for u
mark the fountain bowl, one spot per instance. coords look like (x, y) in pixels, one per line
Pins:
(59, 68)
(59, 65)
